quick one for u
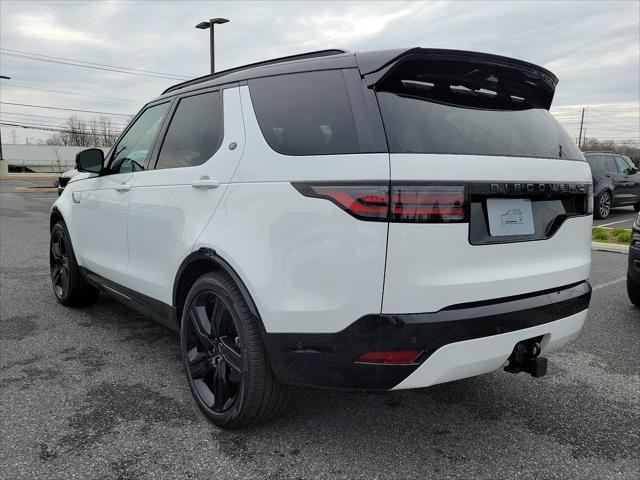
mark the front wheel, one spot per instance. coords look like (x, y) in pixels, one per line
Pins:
(603, 205)
(633, 289)
(68, 285)
(224, 357)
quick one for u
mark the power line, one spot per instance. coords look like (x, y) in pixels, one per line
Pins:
(27, 127)
(66, 109)
(31, 115)
(52, 121)
(92, 63)
(50, 117)
(15, 55)
(13, 85)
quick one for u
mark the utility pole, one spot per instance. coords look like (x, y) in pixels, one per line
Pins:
(4, 168)
(581, 122)
(210, 24)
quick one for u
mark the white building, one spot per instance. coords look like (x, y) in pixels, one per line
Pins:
(40, 158)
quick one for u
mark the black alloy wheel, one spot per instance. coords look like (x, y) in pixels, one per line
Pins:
(59, 263)
(213, 352)
(224, 356)
(69, 286)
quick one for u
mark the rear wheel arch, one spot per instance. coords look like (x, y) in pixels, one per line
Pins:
(206, 260)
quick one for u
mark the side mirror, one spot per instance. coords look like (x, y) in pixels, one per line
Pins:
(90, 160)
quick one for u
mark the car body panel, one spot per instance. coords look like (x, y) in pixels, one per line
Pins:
(167, 213)
(308, 265)
(433, 266)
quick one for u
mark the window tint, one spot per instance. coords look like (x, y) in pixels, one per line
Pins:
(469, 108)
(305, 113)
(132, 151)
(195, 132)
(623, 166)
(609, 164)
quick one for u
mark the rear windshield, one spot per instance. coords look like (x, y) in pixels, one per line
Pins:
(454, 108)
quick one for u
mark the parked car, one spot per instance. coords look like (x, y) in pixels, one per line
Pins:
(292, 238)
(633, 274)
(616, 182)
(64, 178)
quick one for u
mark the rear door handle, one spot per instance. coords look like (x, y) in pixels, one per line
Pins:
(123, 187)
(205, 183)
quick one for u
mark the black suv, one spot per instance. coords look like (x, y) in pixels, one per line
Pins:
(616, 182)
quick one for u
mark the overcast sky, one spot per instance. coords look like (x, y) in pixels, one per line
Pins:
(593, 47)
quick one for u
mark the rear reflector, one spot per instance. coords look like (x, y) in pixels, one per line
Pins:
(398, 202)
(398, 357)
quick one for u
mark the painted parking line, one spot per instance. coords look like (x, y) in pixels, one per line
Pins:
(614, 223)
(610, 283)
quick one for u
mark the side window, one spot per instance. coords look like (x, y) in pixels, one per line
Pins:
(610, 164)
(195, 132)
(132, 151)
(623, 166)
(305, 113)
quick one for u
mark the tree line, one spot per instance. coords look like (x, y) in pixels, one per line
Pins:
(75, 131)
(631, 150)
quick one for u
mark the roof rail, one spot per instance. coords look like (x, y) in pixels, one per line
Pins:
(290, 58)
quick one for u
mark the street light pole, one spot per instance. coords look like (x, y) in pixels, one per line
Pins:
(3, 166)
(210, 24)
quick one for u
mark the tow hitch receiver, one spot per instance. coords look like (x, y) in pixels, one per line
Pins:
(525, 358)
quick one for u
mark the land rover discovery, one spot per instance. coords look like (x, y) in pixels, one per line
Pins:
(379, 220)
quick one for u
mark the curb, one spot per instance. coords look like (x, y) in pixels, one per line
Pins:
(30, 176)
(35, 189)
(609, 247)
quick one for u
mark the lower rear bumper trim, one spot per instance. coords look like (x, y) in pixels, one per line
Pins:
(329, 360)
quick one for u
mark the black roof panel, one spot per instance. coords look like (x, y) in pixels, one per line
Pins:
(372, 65)
(319, 60)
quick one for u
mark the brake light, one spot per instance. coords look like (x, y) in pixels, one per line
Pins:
(397, 202)
(398, 357)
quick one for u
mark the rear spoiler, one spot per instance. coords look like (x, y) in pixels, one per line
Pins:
(375, 67)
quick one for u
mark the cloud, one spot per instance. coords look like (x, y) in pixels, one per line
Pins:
(593, 47)
(44, 27)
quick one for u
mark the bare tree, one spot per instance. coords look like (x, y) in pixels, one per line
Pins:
(628, 148)
(97, 132)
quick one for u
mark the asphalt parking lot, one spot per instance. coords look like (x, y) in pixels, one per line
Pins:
(99, 392)
(618, 218)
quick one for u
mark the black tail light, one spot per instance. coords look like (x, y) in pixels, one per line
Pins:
(395, 202)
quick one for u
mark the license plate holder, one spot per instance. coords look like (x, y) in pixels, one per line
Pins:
(510, 217)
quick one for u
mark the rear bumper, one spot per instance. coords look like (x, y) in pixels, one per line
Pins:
(458, 342)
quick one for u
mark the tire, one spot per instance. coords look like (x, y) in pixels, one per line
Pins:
(633, 290)
(636, 207)
(603, 203)
(68, 285)
(224, 358)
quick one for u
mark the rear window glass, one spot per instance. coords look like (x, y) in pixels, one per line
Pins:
(305, 113)
(458, 108)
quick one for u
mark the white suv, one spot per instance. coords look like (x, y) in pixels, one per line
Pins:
(380, 220)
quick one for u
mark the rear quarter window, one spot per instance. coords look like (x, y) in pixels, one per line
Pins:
(305, 113)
